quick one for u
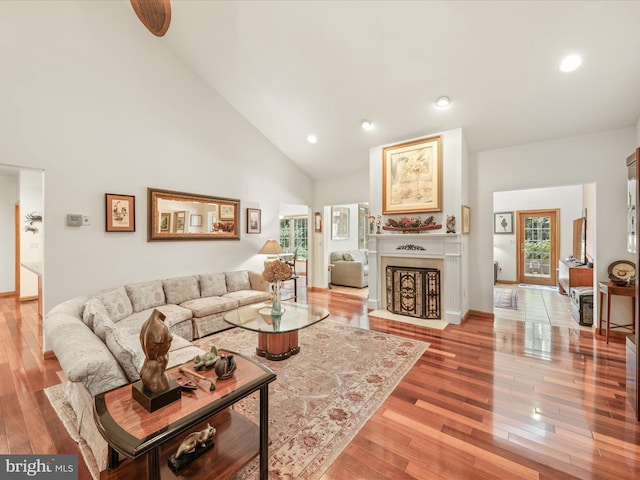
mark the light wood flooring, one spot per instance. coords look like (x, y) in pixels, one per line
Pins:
(489, 399)
(539, 305)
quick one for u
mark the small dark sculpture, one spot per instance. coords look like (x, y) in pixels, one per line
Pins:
(206, 360)
(225, 366)
(156, 341)
(195, 440)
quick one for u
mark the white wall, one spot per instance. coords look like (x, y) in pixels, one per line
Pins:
(8, 198)
(91, 97)
(567, 199)
(598, 158)
(340, 189)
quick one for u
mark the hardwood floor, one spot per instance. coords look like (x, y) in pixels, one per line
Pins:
(501, 399)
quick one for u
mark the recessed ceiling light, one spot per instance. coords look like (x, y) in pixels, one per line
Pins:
(443, 102)
(312, 139)
(366, 125)
(570, 63)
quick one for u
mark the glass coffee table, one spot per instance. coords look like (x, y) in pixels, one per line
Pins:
(277, 338)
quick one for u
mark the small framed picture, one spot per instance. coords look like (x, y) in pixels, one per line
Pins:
(227, 212)
(466, 219)
(120, 213)
(317, 222)
(503, 222)
(253, 220)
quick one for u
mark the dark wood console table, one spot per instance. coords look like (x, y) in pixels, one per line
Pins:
(609, 289)
(149, 438)
(573, 275)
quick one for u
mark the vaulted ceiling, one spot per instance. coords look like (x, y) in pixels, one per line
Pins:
(293, 68)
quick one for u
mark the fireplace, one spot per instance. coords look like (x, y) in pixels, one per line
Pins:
(423, 251)
(414, 292)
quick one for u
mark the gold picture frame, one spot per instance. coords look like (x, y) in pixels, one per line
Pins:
(466, 219)
(412, 177)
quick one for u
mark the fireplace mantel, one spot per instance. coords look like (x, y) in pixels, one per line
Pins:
(446, 247)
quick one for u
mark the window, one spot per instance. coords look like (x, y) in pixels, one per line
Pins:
(294, 232)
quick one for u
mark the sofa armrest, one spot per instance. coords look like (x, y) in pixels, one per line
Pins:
(348, 273)
(82, 355)
(258, 282)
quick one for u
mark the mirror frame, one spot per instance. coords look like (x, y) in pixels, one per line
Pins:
(153, 216)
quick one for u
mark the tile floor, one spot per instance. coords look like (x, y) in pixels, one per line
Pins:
(539, 305)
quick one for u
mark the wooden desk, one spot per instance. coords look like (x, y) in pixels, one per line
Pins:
(609, 289)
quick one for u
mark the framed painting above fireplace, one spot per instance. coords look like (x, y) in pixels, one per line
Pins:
(412, 177)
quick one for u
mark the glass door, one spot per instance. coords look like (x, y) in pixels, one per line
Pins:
(537, 232)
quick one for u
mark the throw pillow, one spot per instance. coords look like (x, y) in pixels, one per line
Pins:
(181, 289)
(127, 351)
(91, 308)
(117, 303)
(145, 295)
(348, 256)
(237, 281)
(213, 285)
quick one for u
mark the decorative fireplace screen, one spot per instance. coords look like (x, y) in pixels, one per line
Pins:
(414, 292)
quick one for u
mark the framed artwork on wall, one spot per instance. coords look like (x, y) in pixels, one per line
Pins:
(503, 222)
(178, 221)
(254, 222)
(339, 223)
(466, 219)
(317, 222)
(120, 213)
(412, 177)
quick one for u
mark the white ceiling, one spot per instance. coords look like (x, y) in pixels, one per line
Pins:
(299, 67)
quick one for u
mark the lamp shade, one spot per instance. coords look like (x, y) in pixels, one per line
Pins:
(271, 247)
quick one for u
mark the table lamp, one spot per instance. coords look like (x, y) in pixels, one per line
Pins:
(271, 249)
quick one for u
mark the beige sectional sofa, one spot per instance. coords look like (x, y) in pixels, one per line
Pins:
(350, 268)
(97, 339)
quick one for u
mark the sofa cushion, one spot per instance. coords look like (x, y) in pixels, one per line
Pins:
(213, 284)
(93, 306)
(201, 307)
(246, 297)
(174, 314)
(124, 343)
(117, 303)
(238, 280)
(145, 295)
(102, 325)
(181, 289)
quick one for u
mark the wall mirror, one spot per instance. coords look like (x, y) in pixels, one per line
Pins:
(188, 216)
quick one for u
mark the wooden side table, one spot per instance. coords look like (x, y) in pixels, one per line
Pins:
(609, 289)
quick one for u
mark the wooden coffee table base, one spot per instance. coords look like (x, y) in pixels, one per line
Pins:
(277, 346)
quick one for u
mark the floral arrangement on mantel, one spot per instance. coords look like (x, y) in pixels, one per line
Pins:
(411, 224)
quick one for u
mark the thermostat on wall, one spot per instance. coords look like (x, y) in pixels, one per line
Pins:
(74, 219)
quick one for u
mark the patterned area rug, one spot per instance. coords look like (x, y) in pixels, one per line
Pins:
(322, 397)
(505, 298)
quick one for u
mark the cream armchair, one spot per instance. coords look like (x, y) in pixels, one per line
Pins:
(350, 268)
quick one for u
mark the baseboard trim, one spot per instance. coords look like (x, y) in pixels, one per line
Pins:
(29, 298)
(7, 294)
(508, 282)
(49, 355)
(478, 314)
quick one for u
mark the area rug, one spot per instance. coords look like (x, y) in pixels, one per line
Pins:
(505, 298)
(320, 400)
(421, 322)
(323, 395)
